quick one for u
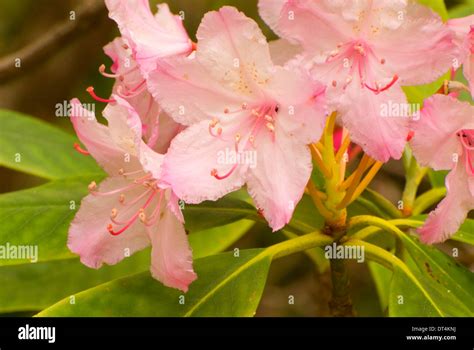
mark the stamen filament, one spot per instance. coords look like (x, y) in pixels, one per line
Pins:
(219, 177)
(132, 220)
(91, 92)
(378, 89)
(78, 148)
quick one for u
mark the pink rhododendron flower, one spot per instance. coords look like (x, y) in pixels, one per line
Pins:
(249, 120)
(158, 128)
(151, 37)
(464, 29)
(132, 208)
(364, 51)
(444, 140)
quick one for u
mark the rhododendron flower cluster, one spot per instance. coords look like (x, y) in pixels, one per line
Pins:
(184, 119)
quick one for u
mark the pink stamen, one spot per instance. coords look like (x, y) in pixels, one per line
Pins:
(132, 220)
(219, 177)
(91, 92)
(108, 75)
(109, 193)
(137, 90)
(212, 125)
(78, 148)
(135, 200)
(123, 173)
(378, 90)
(155, 214)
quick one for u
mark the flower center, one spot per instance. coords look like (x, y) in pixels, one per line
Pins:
(129, 210)
(262, 117)
(359, 60)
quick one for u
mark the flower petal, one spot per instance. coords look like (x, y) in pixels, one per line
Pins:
(278, 181)
(441, 117)
(171, 255)
(98, 141)
(234, 50)
(124, 124)
(443, 222)
(370, 122)
(88, 235)
(317, 25)
(192, 156)
(185, 90)
(151, 37)
(420, 50)
(302, 104)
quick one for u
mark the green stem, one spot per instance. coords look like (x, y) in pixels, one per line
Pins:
(315, 255)
(371, 230)
(296, 245)
(369, 205)
(368, 220)
(383, 203)
(341, 303)
(414, 176)
(428, 199)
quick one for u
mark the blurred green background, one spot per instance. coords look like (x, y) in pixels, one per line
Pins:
(74, 67)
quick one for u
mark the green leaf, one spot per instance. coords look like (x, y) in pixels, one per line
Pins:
(221, 212)
(33, 287)
(306, 217)
(461, 10)
(40, 216)
(417, 94)
(447, 281)
(381, 277)
(227, 286)
(438, 6)
(217, 239)
(32, 146)
(408, 296)
(235, 206)
(465, 233)
(437, 178)
(382, 203)
(407, 299)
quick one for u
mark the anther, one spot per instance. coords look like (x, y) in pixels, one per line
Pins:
(113, 213)
(92, 186)
(91, 92)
